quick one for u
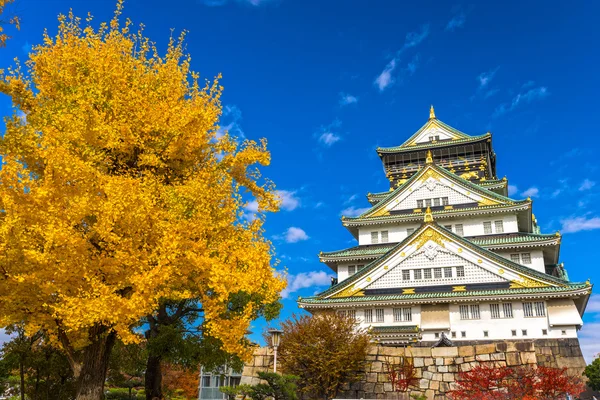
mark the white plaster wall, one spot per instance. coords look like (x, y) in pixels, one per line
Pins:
(439, 190)
(433, 131)
(343, 269)
(389, 316)
(471, 227)
(537, 258)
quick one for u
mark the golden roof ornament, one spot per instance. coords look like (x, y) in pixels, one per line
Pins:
(428, 215)
(431, 112)
(429, 158)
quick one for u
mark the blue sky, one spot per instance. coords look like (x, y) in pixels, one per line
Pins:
(327, 81)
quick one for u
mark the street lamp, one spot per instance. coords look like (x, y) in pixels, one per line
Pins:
(275, 338)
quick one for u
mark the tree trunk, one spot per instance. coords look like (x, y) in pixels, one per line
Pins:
(153, 379)
(91, 372)
(22, 375)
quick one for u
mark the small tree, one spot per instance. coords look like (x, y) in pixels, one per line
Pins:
(277, 387)
(325, 351)
(592, 372)
(401, 374)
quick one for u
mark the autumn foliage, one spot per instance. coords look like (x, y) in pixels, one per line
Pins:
(487, 382)
(180, 381)
(119, 191)
(401, 372)
(324, 351)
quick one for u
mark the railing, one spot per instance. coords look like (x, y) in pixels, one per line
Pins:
(456, 162)
(211, 394)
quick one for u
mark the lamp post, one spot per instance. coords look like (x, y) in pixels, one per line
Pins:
(275, 338)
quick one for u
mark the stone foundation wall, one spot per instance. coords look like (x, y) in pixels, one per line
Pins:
(437, 368)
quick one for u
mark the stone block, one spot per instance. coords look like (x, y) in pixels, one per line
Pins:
(485, 348)
(429, 394)
(371, 377)
(448, 377)
(387, 387)
(448, 361)
(466, 367)
(382, 378)
(482, 357)
(497, 356)
(444, 387)
(429, 361)
(439, 361)
(419, 351)
(424, 384)
(465, 351)
(377, 366)
(501, 347)
(369, 387)
(419, 361)
(453, 368)
(442, 368)
(437, 377)
(379, 388)
(459, 360)
(428, 375)
(444, 352)
(470, 359)
(513, 359)
(435, 385)
(528, 357)
(524, 346)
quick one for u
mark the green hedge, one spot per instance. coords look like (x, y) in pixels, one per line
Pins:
(123, 394)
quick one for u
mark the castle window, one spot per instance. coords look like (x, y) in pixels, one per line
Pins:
(384, 236)
(463, 334)
(528, 309)
(407, 312)
(342, 313)
(460, 272)
(379, 314)
(515, 258)
(417, 274)
(475, 311)
(428, 202)
(419, 203)
(485, 334)
(437, 335)
(563, 332)
(397, 314)
(514, 332)
(526, 258)
(498, 312)
(437, 273)
(524, 332)
(436, 202)
(469, 312)
(447, 272)
(368, 316)
(487, 227)
(374, 237)
(352, 314)
(545, 332)
(458, 229)
(495, 310)
(449, 227)
(206, 381)
(406, 275)
(507, 308)
(402, 314)
(351, 270)
(445, 201)
(427, 273)
(536, 309)
(499, 226)
(453, 334)
(464, 312)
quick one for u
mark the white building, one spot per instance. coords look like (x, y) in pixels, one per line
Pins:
(446, 251)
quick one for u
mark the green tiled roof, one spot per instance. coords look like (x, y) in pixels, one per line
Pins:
(489, 240)
(491, 182)
(437, 295)
(449, 175)
(395, 329)
(466, 243)
(431, 145)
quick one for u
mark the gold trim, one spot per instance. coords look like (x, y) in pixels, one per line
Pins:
(431, 112)
(525, 282)
(429, 158)
(408, 291)
(428, 216)
(459, 289)
(428, 234)
(448, 207)
(488, 202)
(350, 291)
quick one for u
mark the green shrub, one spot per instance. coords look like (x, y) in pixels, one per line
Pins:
(123, 394)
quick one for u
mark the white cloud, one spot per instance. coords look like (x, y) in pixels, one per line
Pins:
(593, 305)
(589, 338)
(353, 211)
(351, 199)
(232, 115)
(531, 192)
(586, 184)
(289, 200)
(386, 79)
(329, 138)
(305, 280)
(346, 99)
(576, 224)
(456, 22)
(512, 189)
(292, 235)
(527, 97)
(485, 78)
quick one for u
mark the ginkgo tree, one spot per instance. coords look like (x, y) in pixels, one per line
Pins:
(118, 194)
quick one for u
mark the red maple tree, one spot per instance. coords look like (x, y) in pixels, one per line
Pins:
(488, 382)
(401, 374)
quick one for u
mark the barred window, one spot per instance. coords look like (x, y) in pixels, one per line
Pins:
(515, 258)
(460, 271)
(540, 310)
(368, 316)
(406, 275)
(428, 202)
(379, 315)
(487, 227)
(458, 229)
(436, 202)
(417, 274)
(407, 314)
(463, 334)
(397, 314)
(384, 236)
(507, 308)
(342, 313)
(475, 311)
(447, 272)
(464, 312)
(351, 270)
(445, 201)
(352, 314)
(526, 258)
(419, 203)
(495, 311)
(437, 273)
(359, 267)
(449, 227)
(528, 309)
(499, 226)
(427, 273)
(374, 237)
